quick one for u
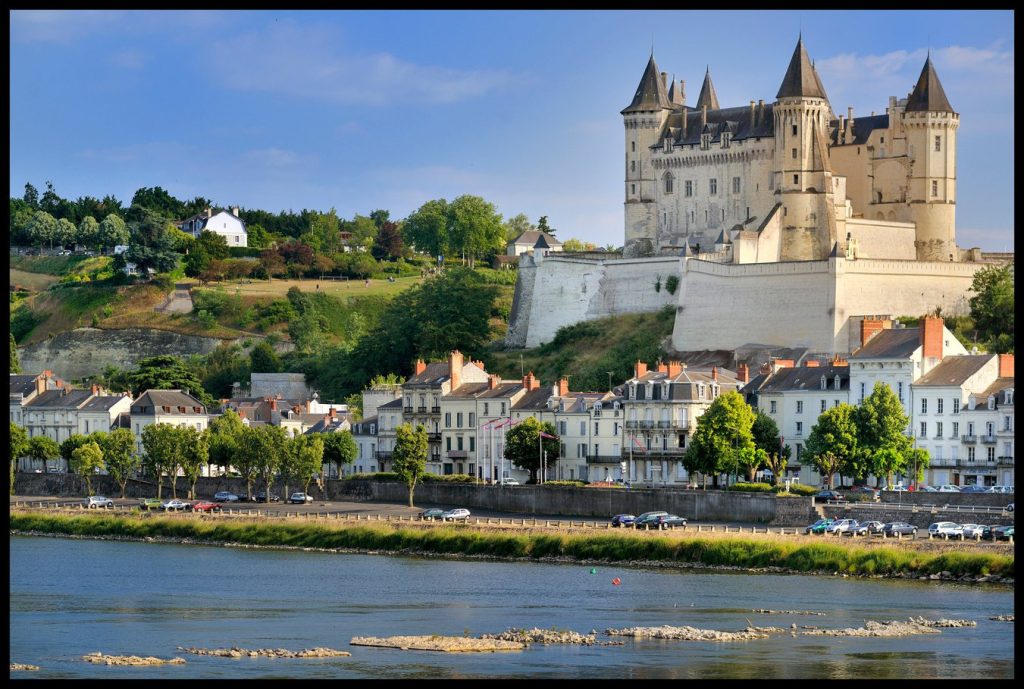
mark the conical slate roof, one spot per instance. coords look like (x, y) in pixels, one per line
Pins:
(650, 94)
(541, 243)
(801, 80)
(707, 97)
(675, 92)
(928, 95)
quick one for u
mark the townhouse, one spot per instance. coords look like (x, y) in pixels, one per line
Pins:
(25, 387)
(174, 407)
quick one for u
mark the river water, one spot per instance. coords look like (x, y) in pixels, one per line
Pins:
(72, 597)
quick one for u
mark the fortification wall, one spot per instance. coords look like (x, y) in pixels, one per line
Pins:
(563, 290)
(876, 239)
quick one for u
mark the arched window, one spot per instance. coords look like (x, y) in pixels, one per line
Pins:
(669, 182)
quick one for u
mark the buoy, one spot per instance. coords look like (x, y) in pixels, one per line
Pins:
(593, 570)
(616, 581)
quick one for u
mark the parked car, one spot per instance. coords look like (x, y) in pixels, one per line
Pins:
(150, 503)
(868, 528)
(899, 529)
(1009, 508)
(976, 489)
(841, 526)
(300, 498)
(949, 489)
(899, 488)
(668, 520)
(432, 514)
(973, 530)
(175, 505)
(1004, 534)
(818, 526)
(928, 489)
(647, 519)
(225, 496)
(828, 495)
(97, 501)
(945, 529)
(988, 531)
(623, 520)
(865, 490)
(459, 514)
(262, 497)
(1002, 489)
(205, 506)
(508, 481)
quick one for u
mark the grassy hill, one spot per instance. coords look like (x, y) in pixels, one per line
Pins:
(587, 351)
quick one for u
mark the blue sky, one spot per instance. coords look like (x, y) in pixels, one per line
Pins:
(359, 110)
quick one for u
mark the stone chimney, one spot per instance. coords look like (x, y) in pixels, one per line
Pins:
(331, 412)
(682, 93)
(640, 369)
(752, 114)
(703, 115)
(714, 373)
(95, 389)
(273, 405)
(1006, 366)
(530, 382)
(455, 368)
(838, 361)
(563, 387)
(782, 363)
(812, 363)
(674, 369)
(419, 367)
(209, 212)
(661, 367)
(760, 110)
(492, 382)
(743, 373)
(234, 211)
(664, 80)
(931, 337)
(869, 327)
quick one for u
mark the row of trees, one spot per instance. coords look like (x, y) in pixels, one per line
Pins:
(855, 441)
(112, 451)
(42, 229)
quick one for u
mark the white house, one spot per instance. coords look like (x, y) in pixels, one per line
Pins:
(227, 225)
(530, 240)
(173, 407)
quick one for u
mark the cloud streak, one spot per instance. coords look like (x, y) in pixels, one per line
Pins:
(305, 62)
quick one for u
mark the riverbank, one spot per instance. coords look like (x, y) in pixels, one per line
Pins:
(732, 552)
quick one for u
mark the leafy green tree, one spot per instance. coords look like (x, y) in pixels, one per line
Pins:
(427, 228)
(223, 367)
(776, 463)
(516, 225)
(475, 227)
(305, 459)
(882, 425)
(160, 442)
(389, 243)
(195, 453)
(15, 364)
(750, 459)
(151, 244)
(724, 433)
(543, 226)
(31, 196)
(68, 447)
(324, 233)
(263, 359)
(66, 232)
(918, 460)
(224, 442)
(379, 217)
(524, 443)
(364, 231)
(992, 306)
(43, 449)
(113, 231)
(119, 455)
(267, 445)
(409, 459)
(18, 442)
(256, 236)
(88, 232)
(767, 438)
(339, 448)
(167, 372)
(832, 445)
(85, 460)
(42, 229)
(573, 244)
(159, 200)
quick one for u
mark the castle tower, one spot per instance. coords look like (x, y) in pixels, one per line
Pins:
(930, 125)
(802, 174)
(707, 98)
(643, 120)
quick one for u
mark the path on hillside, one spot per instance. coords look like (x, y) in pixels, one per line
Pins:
(178, 301)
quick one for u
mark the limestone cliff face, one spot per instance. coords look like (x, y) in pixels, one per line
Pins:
(84, 352)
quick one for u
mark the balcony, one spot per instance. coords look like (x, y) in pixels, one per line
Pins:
(969, 439)
(458, 454)
(384, 455)
(603, 459)
(1005, 459)
(407, 410)
(421, 410)
(640, 424)
(435, 410)
(433, 437)
(988, 439)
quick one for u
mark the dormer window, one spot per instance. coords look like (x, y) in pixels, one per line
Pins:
(705, 141)
(726, 137)
(668, 144)
(838, 383)
(824, 383)
(991, 401)
(1008, 397)
(971, 402)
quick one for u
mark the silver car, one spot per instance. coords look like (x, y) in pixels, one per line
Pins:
(973, 530)
(945, 529)
(456, 515)
(97, 501)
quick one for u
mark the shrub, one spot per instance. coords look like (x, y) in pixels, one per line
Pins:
(379, 476)
(753, 487)
(573, 484)
(672, 284)
(23, 321)
(800, 489)
(450, 478)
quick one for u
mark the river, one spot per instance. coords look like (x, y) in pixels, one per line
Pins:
(71, 597)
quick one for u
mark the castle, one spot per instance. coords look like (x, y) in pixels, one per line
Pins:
(783, 224)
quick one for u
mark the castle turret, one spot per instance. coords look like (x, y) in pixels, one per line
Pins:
(802, 175)
(930, 125)
(643, 120)
(707, 98)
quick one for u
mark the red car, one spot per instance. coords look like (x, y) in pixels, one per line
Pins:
(205, 506)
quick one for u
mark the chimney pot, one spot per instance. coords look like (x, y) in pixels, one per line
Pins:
(563, 386)
(1006, 365)
(714, 373)
(743, 373)
(931, 337)
(640, 369)
(455, 368)
(420, 366)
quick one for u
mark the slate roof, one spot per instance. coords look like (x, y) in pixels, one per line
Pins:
(954, 370)
(503, 389)
(101, 403)
(467, 390)
(860, 129)
(434, 374)
(801, 80)
(57, 399)
(898, 343)
(541, 244)
(1000, 384)
(928, 95)
(328, 425)
(167, 398)
(534, 399)
(532, 237)
(736, 121)
(650, 93)
(807, 378)
(363, 427)
(707, 97)
(23, 384)
(393, 404)
(682, 386)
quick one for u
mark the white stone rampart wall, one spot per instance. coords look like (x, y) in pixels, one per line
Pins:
(878, 239)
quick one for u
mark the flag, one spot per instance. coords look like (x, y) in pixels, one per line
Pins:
(639, 444)
(545, 435)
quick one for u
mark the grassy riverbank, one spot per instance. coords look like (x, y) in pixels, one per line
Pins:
(620, 547)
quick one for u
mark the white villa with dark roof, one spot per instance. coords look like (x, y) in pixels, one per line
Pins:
(174, 407)
(227, 225)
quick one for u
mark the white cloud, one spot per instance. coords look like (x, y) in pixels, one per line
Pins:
(305, 62)
(58, 26)
(129, 59)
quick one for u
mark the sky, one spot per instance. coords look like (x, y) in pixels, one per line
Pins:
(359, 110)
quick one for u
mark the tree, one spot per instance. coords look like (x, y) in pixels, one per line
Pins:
(339, 448)
(364, 231)
(263, 359)
(66, 232)
(881, 425)
(151, 245)
(389, 242)
(324, 235)
(68, 447)
(113, 231)
(225, 438)
(409, 459)
(42, 229)
(573, 244)
(85, 460)
(524, 444)
(475, 228)
(31, 196)
(15, 364)
(427, 228)
(776, 463)
(18, 442)
(223, 367)
(159, 200)
(195, 452)
(992, 306)
(832, 445)
(167, 372)
(724, 433)
(750, 459)
(160, 442)
(256, 236)
(264, 447)
(119, 455)
(42, 449)
(542, 225)
(88, 232)
(305, 459)
(918, 460)
(516, 225)
(380, 217)
(766, 437)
